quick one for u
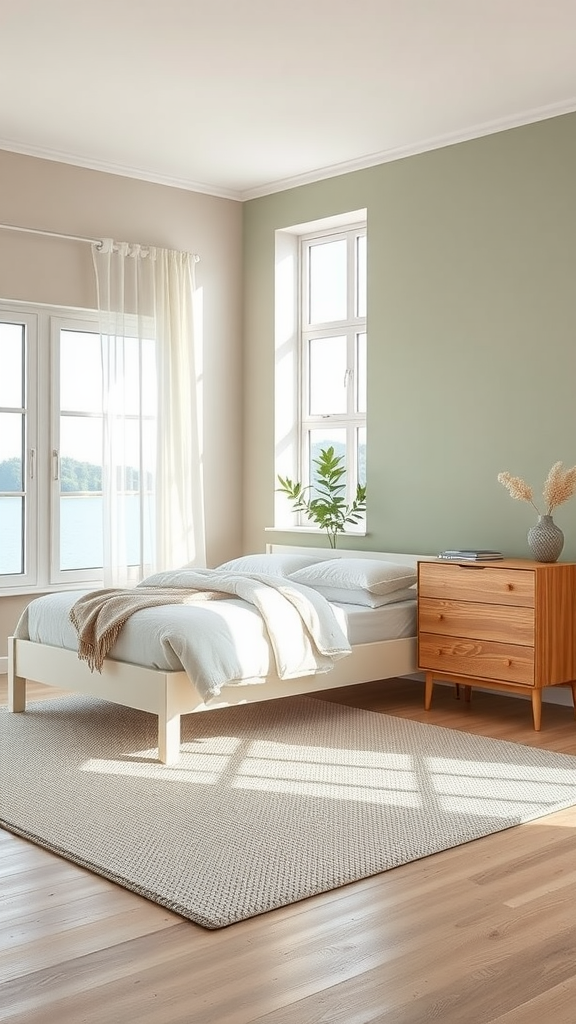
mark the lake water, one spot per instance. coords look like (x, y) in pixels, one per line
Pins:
(81, 544)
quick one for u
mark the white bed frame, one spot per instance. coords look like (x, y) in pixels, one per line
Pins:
(171, 694)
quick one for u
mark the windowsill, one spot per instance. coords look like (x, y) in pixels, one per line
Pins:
(314, 531)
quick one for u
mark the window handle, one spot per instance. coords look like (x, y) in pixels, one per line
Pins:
(55, 464)
(32, 463)
(348, 375)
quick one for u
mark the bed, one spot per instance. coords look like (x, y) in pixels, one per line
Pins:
(382, 643)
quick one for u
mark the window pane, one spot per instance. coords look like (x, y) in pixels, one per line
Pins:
(361, 372)
(11, 535)
(133, 509)
(327, 364)
(81, 545)
(149, 438)
(131, 457)
(81, 536)
(149, 377)
(321, 439)
(327, 281)
(11, 452)
(131, 376)
(130, 366)
(361, 455)
(12, 365)
(80, 453)
(361, 276)
(80, 371)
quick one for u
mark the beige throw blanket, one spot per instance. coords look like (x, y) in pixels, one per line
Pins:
(99, 616)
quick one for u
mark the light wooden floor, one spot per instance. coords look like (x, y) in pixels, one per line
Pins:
(482, 933)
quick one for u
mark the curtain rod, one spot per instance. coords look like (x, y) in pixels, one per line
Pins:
(50, 234)
(57, 234)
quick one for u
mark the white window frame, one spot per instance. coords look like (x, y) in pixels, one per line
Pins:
(291, 372)
(43, 325)
(57, 576)
(29, 320)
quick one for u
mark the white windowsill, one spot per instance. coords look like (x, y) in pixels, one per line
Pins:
(314, 531)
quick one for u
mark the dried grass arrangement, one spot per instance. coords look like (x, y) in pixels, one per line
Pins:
(559, 486)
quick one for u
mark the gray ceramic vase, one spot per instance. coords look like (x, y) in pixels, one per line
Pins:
(545, 540)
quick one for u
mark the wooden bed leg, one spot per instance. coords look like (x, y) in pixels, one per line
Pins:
(168, 738)
(16, 684)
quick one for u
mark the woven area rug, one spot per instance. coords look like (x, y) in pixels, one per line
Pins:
(269, 803)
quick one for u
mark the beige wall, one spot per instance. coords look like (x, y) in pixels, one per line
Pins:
(471, 337)
(73, 200)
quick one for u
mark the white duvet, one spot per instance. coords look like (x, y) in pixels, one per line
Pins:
(269, 626)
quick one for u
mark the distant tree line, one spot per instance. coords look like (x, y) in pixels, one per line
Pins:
(74, 476)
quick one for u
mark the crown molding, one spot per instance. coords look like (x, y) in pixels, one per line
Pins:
(318, 174)
(124, 172)
(424, 146)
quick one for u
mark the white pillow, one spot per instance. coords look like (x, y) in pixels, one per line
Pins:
(374, 575)
(364, 597)
(272, 565)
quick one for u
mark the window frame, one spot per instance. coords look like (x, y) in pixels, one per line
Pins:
(43, 324)
(60, 577)
(30, 411)
(351, 327)
(293, 422)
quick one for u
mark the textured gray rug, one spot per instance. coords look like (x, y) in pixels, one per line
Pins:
(270, 803)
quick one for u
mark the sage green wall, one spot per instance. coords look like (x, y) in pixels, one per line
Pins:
(472, 338)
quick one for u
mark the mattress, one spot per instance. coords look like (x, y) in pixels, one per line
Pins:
(370, 625)
(144, 639)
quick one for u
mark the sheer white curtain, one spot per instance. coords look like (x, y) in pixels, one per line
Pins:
(152, 468)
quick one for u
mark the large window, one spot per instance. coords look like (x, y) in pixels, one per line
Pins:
(53, 444)
(321, 351)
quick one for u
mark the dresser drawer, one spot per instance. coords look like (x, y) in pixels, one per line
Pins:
(480, 583)
(477, 621)
(482, 659)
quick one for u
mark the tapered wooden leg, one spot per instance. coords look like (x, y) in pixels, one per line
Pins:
(467, 694)
(537, 708)
(16, 684)
(428, 687)
(573, 687)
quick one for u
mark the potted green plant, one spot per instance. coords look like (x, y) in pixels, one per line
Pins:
(328, 508)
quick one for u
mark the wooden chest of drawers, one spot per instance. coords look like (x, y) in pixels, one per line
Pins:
(504, 625)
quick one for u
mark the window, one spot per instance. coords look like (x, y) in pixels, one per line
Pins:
(321, 350)
(53, 444)
(18, 493)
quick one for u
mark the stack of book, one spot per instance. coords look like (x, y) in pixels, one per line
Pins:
(470, 555)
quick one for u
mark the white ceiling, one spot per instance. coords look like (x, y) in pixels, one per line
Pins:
(241, 98)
